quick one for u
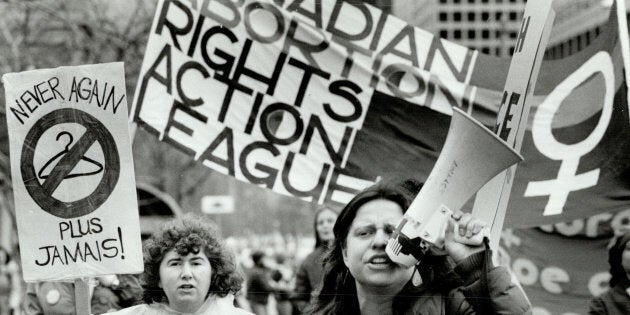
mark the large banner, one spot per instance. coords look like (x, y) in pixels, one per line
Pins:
(562, 266)
(318, 99)
(72, 170)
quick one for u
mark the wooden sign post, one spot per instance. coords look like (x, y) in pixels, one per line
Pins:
(82, 296)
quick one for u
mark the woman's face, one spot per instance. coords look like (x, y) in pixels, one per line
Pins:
(185, 280)
(324, 225)
(364, 252)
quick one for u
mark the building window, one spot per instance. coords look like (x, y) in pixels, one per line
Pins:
(471, 16)
(457, 34)
(485, 50)
(443, 16)
(513, 15)
(485, 16)
(457, 16)
(513, 34)
(444, 33)
(485, 34)
(471, 34)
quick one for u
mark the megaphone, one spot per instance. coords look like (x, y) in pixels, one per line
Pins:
(470, 157)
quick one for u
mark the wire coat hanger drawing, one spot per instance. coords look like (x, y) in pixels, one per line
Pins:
(64, 151)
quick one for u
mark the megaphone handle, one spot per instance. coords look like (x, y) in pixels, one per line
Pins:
(477, 239)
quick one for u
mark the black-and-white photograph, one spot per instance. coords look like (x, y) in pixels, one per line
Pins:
(287, 157)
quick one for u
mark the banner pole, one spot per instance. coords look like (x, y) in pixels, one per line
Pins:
(492, 199)
(7, 223)
(82, 296)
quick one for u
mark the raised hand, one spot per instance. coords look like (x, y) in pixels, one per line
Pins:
(468, 227)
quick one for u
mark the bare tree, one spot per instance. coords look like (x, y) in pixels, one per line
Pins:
(48, 34)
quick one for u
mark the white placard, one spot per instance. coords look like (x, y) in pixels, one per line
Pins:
(73, 175)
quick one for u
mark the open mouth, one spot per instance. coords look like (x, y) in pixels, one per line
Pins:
(380, 260)
(186, 287)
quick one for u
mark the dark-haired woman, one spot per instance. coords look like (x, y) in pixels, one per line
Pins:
(361, 279)
(616, 300)
(310, 274)
(187, 271)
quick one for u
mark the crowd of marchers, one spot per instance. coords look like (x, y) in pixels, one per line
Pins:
(190, 269)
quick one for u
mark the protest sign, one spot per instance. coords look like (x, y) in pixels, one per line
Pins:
(291, 127)
(318, 99)
(72, 168)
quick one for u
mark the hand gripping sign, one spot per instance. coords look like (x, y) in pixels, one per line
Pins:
(471, 156)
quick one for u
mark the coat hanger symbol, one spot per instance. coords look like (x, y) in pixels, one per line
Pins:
(64, 151)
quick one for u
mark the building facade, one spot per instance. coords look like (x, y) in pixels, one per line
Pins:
(492, 26)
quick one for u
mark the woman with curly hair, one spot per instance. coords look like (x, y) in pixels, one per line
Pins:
(187, 271)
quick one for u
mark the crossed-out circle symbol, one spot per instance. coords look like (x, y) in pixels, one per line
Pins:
(42, 192)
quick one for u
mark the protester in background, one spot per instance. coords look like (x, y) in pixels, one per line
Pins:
(187, 271)
(310, 274)
(282, 282)
(8, 279)
(361, 279)
(259, 284)
(108, 294)
(240, 300)
(617, 299)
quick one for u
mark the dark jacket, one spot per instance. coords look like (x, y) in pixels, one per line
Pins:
(505, 296)
(308, 279)
(615, 301)
(258, 287)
